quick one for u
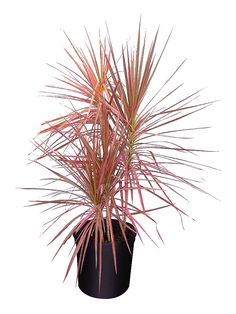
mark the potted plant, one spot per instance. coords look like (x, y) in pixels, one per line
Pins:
(113, 147)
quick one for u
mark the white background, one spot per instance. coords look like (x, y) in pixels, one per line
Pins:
(194, 272)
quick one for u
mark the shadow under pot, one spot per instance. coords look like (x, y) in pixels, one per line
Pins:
(112, 284)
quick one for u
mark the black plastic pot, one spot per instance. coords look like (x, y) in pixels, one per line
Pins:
(112, 284)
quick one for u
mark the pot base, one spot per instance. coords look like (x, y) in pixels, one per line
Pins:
(112, 284)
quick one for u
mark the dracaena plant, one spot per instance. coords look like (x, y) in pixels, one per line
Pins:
(115, 143)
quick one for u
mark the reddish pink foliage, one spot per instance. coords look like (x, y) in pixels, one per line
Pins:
(113, 143)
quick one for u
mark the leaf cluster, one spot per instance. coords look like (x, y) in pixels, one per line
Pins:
(114, 145)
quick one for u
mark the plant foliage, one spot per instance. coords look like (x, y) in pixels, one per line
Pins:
(114, 144)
